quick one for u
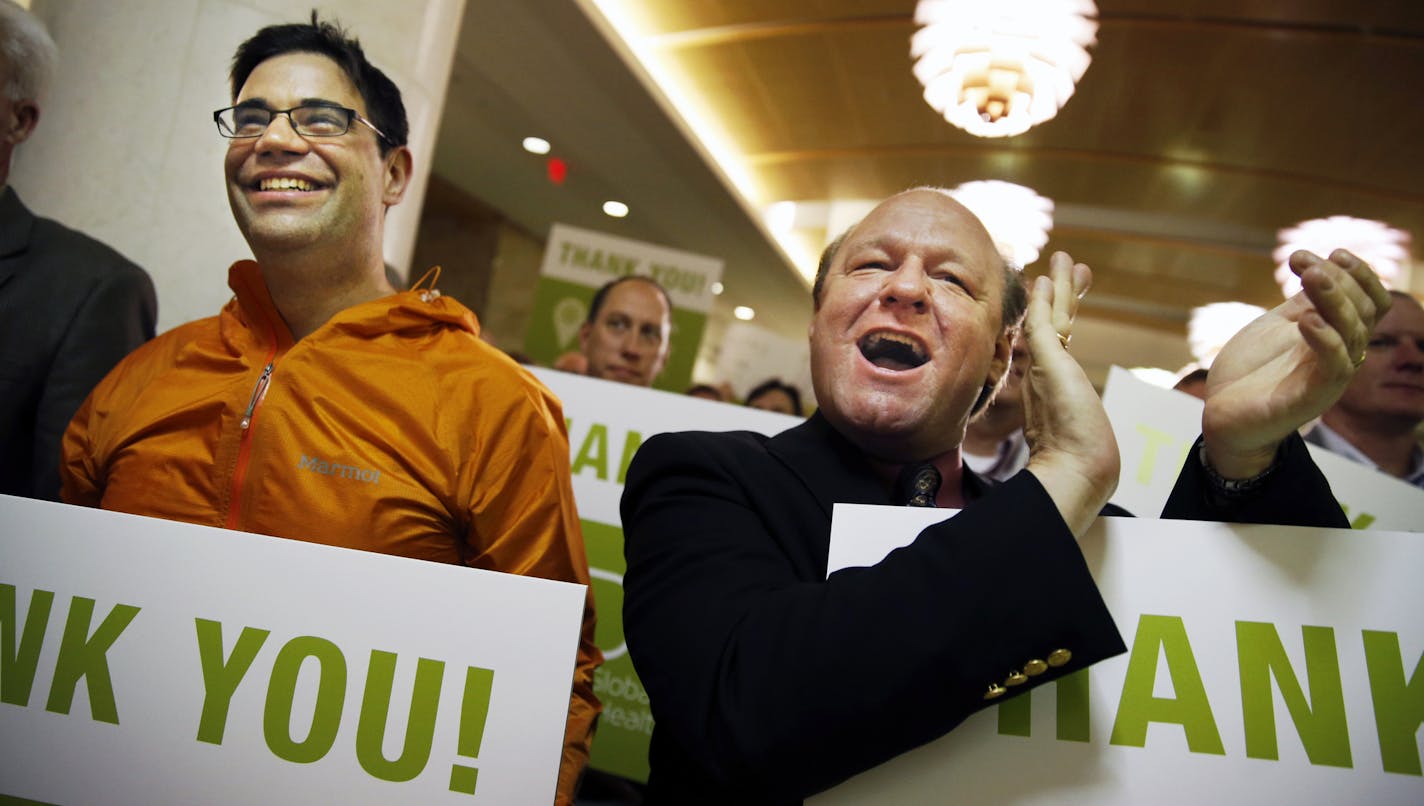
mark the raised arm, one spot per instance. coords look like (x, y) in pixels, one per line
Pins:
(1291, 364)
(1277, 374)
(1072, 448)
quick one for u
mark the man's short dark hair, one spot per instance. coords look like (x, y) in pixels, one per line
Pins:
(776, 385)
(380, 95)
(1015, 292)
(601, 295)
(704, 390)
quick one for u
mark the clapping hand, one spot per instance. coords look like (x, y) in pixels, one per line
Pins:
(1290, 364)
(1073, 452)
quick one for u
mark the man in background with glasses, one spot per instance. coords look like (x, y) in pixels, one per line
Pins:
(320, 404)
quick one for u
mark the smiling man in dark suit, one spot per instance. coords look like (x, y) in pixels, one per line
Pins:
(769, 681)
(70, 307)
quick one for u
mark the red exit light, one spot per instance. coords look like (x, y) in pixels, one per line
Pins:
(557, 170)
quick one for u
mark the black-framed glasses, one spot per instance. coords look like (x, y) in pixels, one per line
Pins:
(308, 120)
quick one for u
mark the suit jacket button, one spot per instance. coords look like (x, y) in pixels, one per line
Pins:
(995, 691)
(1035, 667)
(1058, 657)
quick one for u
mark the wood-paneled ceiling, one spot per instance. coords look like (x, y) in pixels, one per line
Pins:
(1200, 129)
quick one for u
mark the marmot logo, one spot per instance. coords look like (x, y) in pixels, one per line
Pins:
(326, 468)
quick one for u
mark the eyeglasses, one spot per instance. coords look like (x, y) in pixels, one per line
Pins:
(310, 120)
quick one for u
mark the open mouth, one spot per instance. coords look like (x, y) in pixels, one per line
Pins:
(286, 183)
(893, 351)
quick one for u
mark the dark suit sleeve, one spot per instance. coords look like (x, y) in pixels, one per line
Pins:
(779, 685)
(117, 315)
(1295, 494)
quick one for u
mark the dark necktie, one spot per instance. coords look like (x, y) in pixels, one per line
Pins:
(918, 485)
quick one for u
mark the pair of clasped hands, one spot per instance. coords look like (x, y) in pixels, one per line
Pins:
(1280, 372)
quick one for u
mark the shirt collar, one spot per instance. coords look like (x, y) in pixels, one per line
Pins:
(1329, 439)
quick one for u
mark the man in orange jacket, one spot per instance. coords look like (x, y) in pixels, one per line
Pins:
(320, 404)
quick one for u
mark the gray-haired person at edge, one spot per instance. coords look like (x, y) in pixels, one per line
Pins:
(70, 306)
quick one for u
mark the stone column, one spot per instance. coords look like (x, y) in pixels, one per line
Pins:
(126, 149)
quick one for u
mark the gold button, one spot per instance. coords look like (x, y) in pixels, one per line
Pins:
(1035, 667)
(1058, 657)
(995, 691)
(1016, 678)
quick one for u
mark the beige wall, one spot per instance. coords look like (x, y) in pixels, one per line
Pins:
(459, 235)
(512, 284)
(126, 149)
(487, 263)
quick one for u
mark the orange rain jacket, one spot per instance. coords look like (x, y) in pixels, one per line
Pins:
(391, 428)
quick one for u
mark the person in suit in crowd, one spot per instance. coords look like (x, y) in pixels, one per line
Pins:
(770, 681)
(70, 306)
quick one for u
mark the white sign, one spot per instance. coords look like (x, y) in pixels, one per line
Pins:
(1156, 427)
(593, 258)
(146, 661)
(608, 421)
(1267, 664)
(750, 354)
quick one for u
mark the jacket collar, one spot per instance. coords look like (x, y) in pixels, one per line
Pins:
(835, 471)
(417, 309)
(16, 224)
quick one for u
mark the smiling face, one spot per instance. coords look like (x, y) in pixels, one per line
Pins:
(288, 191)
(1390, 384)
(908, 329)
(627, 341)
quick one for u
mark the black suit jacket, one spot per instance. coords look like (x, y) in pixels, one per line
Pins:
(70, 308)
(770, 682)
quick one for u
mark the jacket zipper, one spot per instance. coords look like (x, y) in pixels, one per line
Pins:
(244, 449)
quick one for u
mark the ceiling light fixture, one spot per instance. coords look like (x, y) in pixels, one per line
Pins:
(536, 145)
(635, 23)
(717, 288)
(744, 313)
(999, 69)
(1213, 325)
(616, 209)
(1385, 248)
(1017, 218)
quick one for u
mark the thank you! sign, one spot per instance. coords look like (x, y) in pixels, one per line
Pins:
(144, 661)
(1266, 664)
(577, 262)
(607, 423)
